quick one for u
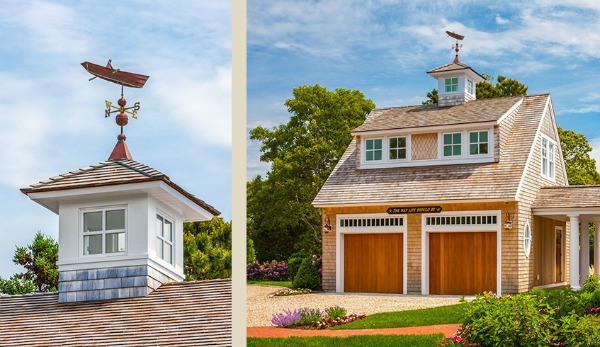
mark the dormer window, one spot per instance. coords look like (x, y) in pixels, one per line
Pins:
(452, 144)
(478, 142)
(470, 88)
(451, 84)
(547, 158)
(397, 147)
(373, 149)
(104, 231)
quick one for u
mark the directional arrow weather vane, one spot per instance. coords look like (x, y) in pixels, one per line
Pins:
(125, 79)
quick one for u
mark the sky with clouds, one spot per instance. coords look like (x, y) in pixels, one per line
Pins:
(383, 48)
(53, 117)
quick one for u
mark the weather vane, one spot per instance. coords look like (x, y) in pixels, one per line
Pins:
(125, 79)
(456, 46)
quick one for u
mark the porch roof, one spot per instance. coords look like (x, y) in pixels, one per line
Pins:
(561, 202)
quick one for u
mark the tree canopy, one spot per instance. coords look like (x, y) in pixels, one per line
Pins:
(302, 154)
(581, 168)
(504, 87)
(39, 259)
(207, 249)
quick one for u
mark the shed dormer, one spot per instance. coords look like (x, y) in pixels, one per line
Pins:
(456, 83)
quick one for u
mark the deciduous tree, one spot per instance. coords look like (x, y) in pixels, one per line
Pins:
(302, 154)
(207, 249)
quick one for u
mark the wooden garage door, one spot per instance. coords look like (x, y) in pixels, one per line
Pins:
(462, 263)
(373, 263)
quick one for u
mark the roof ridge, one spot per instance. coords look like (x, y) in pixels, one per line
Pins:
(125, 165)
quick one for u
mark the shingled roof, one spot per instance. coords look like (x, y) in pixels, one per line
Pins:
(454, 66)
(568, 197)
(176, 314)
(476, 111)
(110, 173)
(348, 185)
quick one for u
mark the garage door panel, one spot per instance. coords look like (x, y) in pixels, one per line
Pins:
(373, 263)
(462, 262)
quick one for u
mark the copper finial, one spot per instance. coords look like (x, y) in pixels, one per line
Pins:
(456, 46)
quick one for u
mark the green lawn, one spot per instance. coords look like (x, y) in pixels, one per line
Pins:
(287, 284)
(352, 341)
(429, 316)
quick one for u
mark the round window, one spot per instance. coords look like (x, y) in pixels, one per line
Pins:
(527, 239)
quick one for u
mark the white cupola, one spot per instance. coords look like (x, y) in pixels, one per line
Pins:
(456, 81)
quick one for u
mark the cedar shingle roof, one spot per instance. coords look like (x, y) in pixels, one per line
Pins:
(176, 314)
(349, 185)
(452, 67)
(476, 111)
(109, 173)
(568, 197)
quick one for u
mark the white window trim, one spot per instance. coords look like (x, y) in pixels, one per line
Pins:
(470, 85)
(441, 145)
(385, 158)
(426, 229)
(457, 84)
(165, 216)
(406, 148)
(103, 232)
(526, 238)
(339, 243)
(551, 158)
(490, 148)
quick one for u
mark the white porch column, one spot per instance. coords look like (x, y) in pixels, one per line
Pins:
(584, 255)
(574, 252)
(596, 250)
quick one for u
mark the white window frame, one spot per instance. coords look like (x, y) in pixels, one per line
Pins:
(547, 158)
(470, 86)
(478, 142)
(385, 155)
(443, 154)
(383, 146)
(339, 242)
(527, 238)
(104, 232)
(389, 138)
(161, 240)
(453, 87)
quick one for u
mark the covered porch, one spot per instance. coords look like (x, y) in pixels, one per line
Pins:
(555, 210)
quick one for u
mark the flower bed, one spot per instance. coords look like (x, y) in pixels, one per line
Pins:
(307, 318)
(288, 292)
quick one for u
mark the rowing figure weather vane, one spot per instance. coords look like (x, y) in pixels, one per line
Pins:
(124, 79)
(456, 46)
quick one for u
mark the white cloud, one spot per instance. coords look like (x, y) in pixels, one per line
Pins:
(591, 96)
(501, 21)
(595, 153)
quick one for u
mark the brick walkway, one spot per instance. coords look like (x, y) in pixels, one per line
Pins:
(447, 329)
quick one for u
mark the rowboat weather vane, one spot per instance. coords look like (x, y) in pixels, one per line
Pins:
(125, 79)
(456, 46)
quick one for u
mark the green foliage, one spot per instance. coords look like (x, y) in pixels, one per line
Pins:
(541, 318)
(302, 154)
(336, 311)
(207, 249)
(250, 252)
(307, 276)
(309, 315)
(295, 260)
(581, 168)
(432, 97)
(591, 284)
(16, 285)
(39, 259)
(504, 87)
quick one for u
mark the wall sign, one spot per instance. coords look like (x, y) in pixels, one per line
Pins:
(418, 209)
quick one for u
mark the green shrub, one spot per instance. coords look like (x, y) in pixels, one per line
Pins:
(16, 285)
(295, 260)
(336, 311)
(563, 301)
(576, 330)
(307, 276)
(591, 284)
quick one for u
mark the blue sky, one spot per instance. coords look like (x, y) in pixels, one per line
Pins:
(383, 48)
(53, 117)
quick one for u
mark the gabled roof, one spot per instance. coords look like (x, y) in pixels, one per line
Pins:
(110, 173)
(348, 185)
(476, 111)
(176, 314)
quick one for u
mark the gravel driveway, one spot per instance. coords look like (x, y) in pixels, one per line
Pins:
(261, 306)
